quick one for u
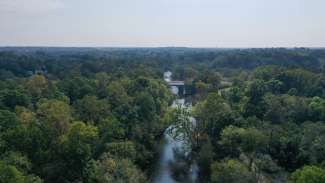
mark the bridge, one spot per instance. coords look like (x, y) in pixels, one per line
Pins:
(176, 83)
(179, 85)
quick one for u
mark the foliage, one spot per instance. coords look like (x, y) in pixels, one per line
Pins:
(231, 171)
(97, 115)
(108, 170)
(308, 174)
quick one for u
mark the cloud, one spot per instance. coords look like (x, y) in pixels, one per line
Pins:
(29, 7)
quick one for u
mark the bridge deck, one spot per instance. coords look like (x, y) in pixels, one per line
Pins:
(176, 83)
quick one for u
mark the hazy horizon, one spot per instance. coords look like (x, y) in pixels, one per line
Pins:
(163, 23)
(153, 47)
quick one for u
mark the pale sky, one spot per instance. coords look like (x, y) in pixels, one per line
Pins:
(155, 23)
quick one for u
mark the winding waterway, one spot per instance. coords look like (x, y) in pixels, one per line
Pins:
(168, 155)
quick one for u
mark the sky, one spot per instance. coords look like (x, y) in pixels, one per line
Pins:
(161, 23)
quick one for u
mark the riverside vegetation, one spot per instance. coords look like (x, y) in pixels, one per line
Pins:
(98, 115)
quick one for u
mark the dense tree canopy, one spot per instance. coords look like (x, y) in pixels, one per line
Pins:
(93, 115)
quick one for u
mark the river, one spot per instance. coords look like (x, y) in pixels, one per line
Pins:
(173, 149)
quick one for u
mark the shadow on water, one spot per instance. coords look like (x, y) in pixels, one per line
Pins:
(174, 164)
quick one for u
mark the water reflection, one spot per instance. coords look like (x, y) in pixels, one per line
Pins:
(174, 153)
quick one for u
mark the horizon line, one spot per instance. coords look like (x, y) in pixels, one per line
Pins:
(155, 47)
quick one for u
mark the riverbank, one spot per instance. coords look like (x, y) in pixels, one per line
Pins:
(174, 164)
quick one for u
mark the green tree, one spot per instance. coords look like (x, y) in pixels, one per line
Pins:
(18, 160)
(92, 109)
(10, 174)
(213, 114)
(77, 87)
(146, 106)
(312, 144)
(275, 110)
(77, 148)
(234, 94)
(56, 114)
(102, 81)
(121, 104)
(109, 170)
(8, 120)
(204, 160)
(231, 171)
(201, 89)
(285, 145)
(117, 94)
(248, 141)
(121, 150)
(25, 115)
(37, 86)
(212, 78)
(255, 105)
(111, 129)
(274, 86)
(13, 98)
(308, 174)
(317, 109)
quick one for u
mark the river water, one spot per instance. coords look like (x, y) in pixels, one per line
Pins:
(172, 149)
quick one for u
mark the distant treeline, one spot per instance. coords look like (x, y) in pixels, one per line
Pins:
(57, 61)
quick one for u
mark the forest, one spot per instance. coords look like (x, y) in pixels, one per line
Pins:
(98, 115)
